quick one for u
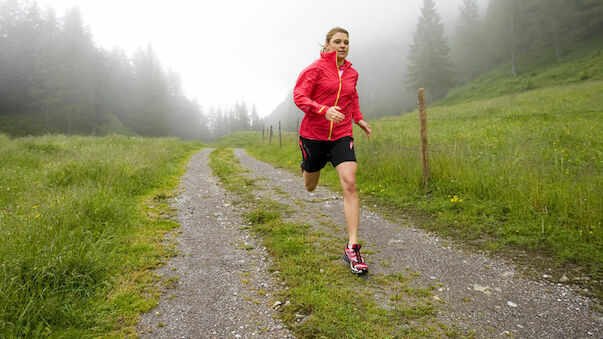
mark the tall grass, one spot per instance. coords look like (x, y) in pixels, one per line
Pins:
(519, 171)
(75, 239)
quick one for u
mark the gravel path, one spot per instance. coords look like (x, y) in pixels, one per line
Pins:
(477, 292)
(217, 286)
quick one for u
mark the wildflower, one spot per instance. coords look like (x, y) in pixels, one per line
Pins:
(35, 206)
(38, 215)
(456, 198)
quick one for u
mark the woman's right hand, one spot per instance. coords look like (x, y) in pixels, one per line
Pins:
(333, 114)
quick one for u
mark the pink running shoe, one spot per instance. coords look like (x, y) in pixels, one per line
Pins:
(353, 257)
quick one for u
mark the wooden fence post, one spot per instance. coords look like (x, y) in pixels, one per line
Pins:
(280, 138)
(263, 128)
(270, 136)
(424, 145)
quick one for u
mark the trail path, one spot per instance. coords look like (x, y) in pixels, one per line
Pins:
(213, 299)
(216, 292)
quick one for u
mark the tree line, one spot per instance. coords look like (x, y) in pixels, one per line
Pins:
(238, 118)
(53, 79)
(508, 30)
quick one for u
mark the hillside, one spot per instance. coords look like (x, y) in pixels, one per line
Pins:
(539, 70)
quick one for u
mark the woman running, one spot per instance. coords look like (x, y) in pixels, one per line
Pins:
(326, 92)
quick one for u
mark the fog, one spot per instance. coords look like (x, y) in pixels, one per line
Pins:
(251, 51)
(200, 69)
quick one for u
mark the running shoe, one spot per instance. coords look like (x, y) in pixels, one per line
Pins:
(353, 257)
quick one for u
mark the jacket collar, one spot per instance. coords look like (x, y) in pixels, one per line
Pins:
(331, 59)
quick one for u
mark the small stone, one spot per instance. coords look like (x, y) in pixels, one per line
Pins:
(483, 289)
(432, 278)
(563, 278)
(546, 276)
(511, 304)
(508, 274)
(277, 304)
(237, 335)
(520, 326)
(287, 303)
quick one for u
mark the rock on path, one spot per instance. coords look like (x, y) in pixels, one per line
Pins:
(216, 276)
(476, 292)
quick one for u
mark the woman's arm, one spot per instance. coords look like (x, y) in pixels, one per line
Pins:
(303, 90)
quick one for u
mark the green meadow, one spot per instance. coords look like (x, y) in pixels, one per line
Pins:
(81, 221)
(519, 173)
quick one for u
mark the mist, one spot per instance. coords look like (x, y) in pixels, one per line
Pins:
(199, 70)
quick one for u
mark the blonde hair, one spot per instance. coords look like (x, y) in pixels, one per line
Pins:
(332, 32)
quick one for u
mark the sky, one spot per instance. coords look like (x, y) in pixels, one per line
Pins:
(242, 50)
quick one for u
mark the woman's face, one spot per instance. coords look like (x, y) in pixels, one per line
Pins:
(339, 43)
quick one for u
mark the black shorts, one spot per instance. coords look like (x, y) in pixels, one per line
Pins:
(316, 153)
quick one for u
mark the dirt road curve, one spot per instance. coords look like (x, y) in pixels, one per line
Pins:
(477, 292)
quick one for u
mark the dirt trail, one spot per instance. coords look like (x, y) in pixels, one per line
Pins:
(477, 292)
(215, 280)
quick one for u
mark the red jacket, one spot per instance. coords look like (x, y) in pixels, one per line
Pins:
(319, 87)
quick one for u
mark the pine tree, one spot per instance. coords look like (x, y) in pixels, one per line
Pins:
(256, 123)
(467, 48)
(428, 64)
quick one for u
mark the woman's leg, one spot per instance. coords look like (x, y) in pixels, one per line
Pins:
(351, 204)
(311, 180)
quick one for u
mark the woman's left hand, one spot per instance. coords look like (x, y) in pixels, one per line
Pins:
(365, 127)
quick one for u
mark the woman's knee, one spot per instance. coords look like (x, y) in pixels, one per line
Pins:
(310, 186)
(348, 183)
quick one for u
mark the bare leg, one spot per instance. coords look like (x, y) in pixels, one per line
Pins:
(351, 203)
(311, 180)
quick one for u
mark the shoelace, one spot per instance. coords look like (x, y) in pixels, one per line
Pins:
(357, 255)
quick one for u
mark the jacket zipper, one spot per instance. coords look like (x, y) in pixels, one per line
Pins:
(337, 98)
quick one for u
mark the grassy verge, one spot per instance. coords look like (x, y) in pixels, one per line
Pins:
(81, 220)
(519, 172)
(325, 299)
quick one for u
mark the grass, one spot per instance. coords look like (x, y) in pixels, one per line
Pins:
(517, 172)
(327, 301)
(81, 221)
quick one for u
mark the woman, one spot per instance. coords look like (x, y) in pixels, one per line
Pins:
(326, 92)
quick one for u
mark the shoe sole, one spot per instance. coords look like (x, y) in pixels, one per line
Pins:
(347, 261)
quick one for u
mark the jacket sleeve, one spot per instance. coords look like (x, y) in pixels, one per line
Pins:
(303, 90)
(356, 114)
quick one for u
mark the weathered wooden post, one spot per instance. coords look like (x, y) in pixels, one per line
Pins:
(424, 145)
(270, 136)
(280, 138)
(263, 128)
